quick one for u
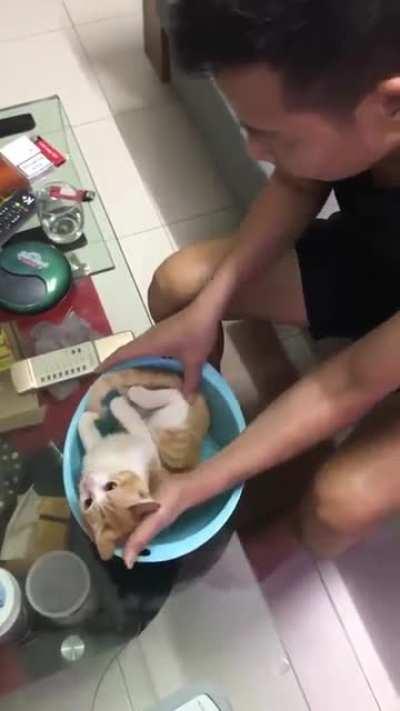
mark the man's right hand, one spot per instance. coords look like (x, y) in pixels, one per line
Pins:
(189, 336)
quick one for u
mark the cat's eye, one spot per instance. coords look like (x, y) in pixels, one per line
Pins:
(110, 485)
(87, 503)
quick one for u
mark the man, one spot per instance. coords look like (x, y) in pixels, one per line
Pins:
(316, 86)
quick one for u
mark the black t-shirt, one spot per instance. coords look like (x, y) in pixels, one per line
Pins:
(375, 213)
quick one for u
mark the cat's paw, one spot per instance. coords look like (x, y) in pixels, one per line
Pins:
(143, 397)
(118, 406)
(88, 419)
(88, 431)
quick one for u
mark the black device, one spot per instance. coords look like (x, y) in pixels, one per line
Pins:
(16, 124)
(14, 212)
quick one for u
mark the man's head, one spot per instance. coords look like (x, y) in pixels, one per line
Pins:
(315, 83)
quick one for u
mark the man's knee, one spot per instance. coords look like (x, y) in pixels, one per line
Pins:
(182, 276)
(173, 286)
(343, 503)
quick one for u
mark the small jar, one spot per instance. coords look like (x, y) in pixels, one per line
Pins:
(13, 613)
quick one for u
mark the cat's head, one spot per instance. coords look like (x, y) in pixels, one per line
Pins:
(112, 507)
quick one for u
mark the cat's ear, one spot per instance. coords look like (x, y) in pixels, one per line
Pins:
(145, 507)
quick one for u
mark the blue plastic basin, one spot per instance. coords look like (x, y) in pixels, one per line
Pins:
(200, 524)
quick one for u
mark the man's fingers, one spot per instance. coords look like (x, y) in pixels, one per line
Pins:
(141, 538)
(191, 379)
(149, 344)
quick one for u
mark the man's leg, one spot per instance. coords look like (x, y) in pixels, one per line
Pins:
(358, 487)
(276, 296)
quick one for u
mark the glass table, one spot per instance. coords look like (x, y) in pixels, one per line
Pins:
(202, 621)
(124, 602)
(52, 123)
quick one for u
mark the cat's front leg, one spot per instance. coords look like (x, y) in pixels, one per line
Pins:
(88, 431)
(128, 417)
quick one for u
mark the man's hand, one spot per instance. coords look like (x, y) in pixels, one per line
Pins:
(171, 496)
(189, 336)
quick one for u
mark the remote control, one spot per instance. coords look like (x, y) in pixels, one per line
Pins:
(14, 212)
(65, 364)
(16, 124)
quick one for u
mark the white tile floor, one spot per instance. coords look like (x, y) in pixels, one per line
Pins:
(157, 182)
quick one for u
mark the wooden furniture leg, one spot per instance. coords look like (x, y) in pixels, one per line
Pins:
(156, 44)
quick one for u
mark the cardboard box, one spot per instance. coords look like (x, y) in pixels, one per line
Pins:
(16, 411)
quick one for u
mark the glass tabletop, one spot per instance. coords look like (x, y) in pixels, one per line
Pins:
(194, 623)
(91, 254)
(34, 515)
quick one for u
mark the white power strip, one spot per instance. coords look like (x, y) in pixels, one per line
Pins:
(42, 371)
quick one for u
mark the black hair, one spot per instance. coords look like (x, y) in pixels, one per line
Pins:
(329, 52)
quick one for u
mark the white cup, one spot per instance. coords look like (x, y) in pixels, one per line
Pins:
(58, 587)
(13, 614)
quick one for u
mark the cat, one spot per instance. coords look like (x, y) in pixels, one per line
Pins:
(162, 434)
(180, 434)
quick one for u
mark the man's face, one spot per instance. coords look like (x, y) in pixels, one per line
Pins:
(302, 142)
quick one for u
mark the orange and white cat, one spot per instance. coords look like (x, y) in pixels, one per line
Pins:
(162, 433)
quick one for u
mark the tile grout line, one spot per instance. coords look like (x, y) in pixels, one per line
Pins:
(148, 675)
(217, 211)
(33, 35)
(109, 18)
(115, 115)
(98, 19)
(125, 683)
(345, 632)
(112, 115)
(89, 63)
(163, 224)
(166, 225)
(174, 101)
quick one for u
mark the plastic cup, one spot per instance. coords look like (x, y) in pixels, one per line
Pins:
(58, 587)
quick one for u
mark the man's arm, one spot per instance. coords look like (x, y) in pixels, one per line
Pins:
(277, 218)
(274, 222)
(332, 397)
(338, 393)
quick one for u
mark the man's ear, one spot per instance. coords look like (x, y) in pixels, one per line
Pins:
(389, 92)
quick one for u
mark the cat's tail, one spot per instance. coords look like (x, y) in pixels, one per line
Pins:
(122, 380)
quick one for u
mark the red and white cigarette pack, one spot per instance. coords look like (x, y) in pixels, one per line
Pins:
(33, 157)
